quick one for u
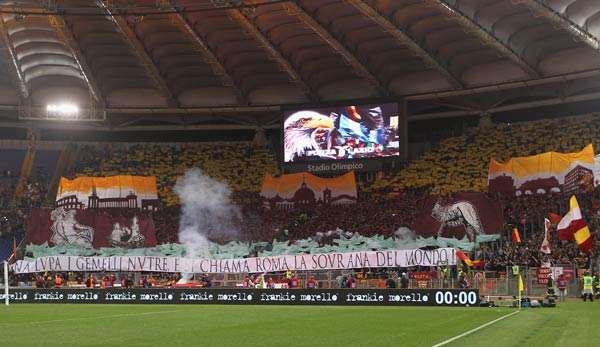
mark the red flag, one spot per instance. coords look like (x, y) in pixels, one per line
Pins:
(515, 236)
(554, 218)
(479, 264)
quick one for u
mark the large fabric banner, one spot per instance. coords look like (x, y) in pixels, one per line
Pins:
(298, 262)
(112, 187)
(549, 172)
(470, 215)
(307, 189)
(84, 228)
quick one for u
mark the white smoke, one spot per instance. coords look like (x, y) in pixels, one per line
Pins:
(206, 211)
(405, 238)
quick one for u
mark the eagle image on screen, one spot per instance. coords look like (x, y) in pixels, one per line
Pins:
(347, 132)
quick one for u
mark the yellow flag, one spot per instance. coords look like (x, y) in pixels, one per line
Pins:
(521, 286)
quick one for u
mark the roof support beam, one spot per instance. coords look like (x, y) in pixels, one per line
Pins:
(65, 35)
(139, 51)
(358, 67)
(14, 67)
(500, 87)
(249, 26)
(199, 45)
(486, 36)
(88, 127)
(508, 107)
(543, 10)
(427, 57)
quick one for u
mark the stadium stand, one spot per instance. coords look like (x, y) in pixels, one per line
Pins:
(240, 165)
(457, 164)
(464, 158)
(353, 135)
(461, 163)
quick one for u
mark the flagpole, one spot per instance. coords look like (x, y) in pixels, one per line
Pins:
(6, 283)
(520, 291)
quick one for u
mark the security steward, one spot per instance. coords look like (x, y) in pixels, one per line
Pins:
(588, 287)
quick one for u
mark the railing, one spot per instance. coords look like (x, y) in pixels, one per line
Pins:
(498, 286)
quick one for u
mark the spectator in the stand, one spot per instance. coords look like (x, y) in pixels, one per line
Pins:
(58, 281)
(390, 282)
(142, 282)
(294, 281)
(206, 281)
(404, 281)
(124, 281)
(312, 283)
(351, 282)
(90, 282)
(262, 284)
(49, 281)
(248, 283)
(343, 281)
(462, 281)
(39, 281)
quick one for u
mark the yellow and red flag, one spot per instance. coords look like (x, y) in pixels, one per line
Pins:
(470, 263)
(572, 226)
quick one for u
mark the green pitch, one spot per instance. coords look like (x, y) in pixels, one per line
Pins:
(571, 324)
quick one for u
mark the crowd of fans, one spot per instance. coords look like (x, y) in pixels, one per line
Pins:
(457, 164)
(461, 163)
(14, 211)
(238, 164)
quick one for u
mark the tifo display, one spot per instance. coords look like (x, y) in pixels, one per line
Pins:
(111, 228)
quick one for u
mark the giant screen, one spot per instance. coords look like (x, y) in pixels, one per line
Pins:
(344, 132)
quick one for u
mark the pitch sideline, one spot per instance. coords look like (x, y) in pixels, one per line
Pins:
(469, 332)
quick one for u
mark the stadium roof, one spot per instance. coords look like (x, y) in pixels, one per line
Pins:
(232, 64)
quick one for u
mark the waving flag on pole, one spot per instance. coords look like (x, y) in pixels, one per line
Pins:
(545, 248)
(470, 263)
(572, 226)
(516, 238)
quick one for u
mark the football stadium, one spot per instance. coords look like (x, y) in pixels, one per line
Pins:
(300, 172)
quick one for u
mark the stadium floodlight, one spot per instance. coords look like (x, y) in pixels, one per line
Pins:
(63, 110)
